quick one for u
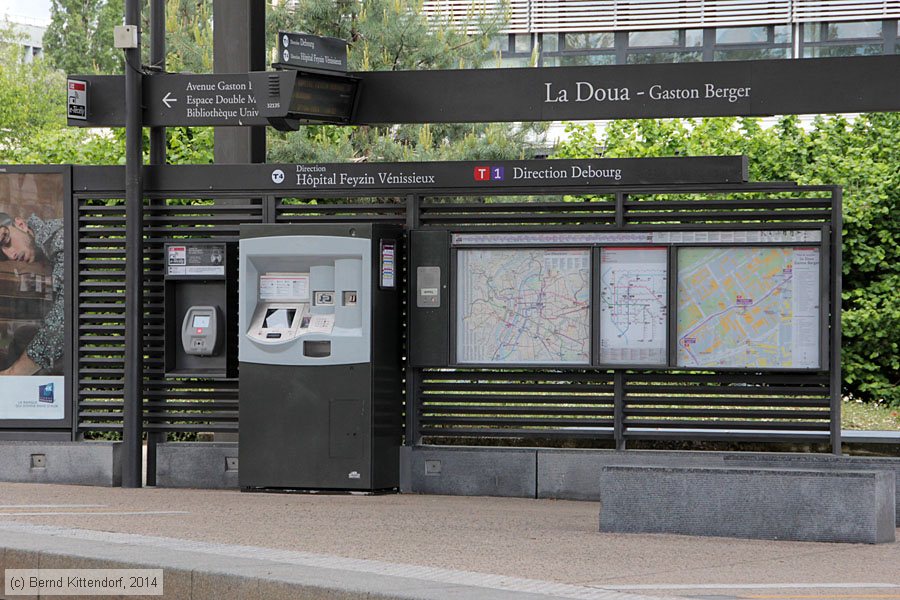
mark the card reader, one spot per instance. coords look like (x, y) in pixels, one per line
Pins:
(200, 330)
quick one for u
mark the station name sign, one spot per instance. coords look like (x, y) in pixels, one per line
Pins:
(703, 89)
(585, 91)
(706, 89)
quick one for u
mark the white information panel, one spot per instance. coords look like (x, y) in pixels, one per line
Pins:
(523, 306)
(633, 295)
(748, 307)
(284, 287)
(33, 397)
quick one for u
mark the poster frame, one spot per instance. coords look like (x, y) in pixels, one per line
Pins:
(63, 429)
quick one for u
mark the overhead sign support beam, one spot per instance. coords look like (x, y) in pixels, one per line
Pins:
(711, 89)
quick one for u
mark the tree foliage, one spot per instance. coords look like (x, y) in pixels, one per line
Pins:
(862, 155)
(25, 104)
(393, 35)
(79, 38)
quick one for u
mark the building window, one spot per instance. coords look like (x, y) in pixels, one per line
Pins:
(854, 30)
(642, 58)
(693, 38)
(550, 42)
(828, 51)
(589, 41)
(752, 54)
(648, 39)
(742, 35)
(846, 38)
(578, 60)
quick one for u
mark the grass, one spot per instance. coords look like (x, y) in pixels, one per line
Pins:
(869, 417)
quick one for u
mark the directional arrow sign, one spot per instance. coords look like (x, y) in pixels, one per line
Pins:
(176, 100)
(200, 100)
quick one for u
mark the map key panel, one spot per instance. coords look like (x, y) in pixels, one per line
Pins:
(633, 299)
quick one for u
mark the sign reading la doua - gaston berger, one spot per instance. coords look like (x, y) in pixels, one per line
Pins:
(765, 87)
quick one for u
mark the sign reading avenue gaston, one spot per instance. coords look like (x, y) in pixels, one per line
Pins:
(740, 88)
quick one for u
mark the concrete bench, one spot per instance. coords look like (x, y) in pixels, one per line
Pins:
(821, 505)
(74, 463)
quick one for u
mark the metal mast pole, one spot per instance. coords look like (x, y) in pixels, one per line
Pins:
(134, 288)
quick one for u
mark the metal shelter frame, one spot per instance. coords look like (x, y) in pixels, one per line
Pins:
(457, 404)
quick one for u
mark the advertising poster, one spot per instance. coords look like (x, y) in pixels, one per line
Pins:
(32, 294)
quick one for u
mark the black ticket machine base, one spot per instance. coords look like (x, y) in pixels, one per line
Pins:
(320, 357)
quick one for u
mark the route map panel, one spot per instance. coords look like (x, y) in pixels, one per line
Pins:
(748, 307)
(633, 284)
(523, 306)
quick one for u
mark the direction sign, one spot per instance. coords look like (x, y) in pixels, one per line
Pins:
(201, 100)
(176, 100)
(301, 50)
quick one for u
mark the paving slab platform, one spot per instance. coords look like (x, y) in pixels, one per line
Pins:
(227, 544)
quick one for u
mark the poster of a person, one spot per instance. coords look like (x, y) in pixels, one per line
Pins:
(32, 295)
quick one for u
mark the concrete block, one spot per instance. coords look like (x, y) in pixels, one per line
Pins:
(464, 471)
(78, 463)
(204, 465)
(789, 504)
(821, 461)
(573, 474)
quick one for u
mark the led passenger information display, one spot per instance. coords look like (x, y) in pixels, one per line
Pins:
(524, 306)
(748, 307)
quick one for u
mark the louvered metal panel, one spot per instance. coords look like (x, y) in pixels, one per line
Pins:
(463, 404)
(623, 15)
(550, 16)
(806, 11)
(171, 405)
(466, 14)
(473, 406)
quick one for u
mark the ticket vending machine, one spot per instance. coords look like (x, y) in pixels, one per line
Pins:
(320, 357)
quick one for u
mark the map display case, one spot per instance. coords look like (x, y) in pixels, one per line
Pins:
(682, 300)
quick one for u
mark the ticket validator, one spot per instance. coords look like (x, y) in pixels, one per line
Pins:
(320, 357)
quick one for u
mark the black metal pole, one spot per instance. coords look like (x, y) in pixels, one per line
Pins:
(837, 224)
(134, 288)
(157, 157)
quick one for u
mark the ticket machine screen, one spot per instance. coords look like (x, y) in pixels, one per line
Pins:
(279, 318)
